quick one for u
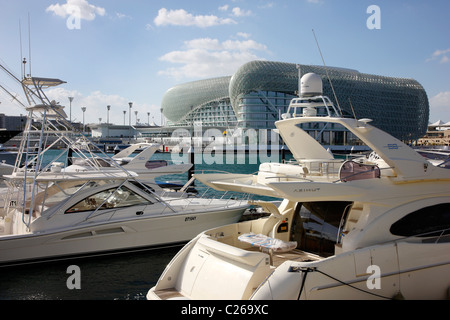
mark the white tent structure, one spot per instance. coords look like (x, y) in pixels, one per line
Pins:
(438, 125)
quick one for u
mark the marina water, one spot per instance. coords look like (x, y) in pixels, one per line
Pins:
(126, 276)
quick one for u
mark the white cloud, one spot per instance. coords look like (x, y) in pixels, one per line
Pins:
(96, 103)
(122, 16)
(243, 46)
(8, 105)
(85, 10)
(206, 57)
(181, 17)
(238, 12)
(440, 55)
(441, 100)
(267, 5)
(223, 8)
(203, 43)
(440, 107)
(244, 35)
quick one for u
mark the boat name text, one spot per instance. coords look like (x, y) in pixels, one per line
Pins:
(307, 190)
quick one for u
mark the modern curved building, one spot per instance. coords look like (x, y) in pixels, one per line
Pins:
(260, 91)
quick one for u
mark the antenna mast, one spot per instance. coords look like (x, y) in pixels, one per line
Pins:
(22, 59)
(326, 70)
(29, 42)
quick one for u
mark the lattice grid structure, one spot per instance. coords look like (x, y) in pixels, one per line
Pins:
(179, 101)
(398, 106)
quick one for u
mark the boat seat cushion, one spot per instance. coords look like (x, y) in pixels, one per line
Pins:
(351, 170)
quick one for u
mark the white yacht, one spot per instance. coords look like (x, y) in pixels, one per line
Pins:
(141, 164)
(391, 210)
(53, 212)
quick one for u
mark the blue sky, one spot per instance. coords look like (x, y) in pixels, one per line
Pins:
(111, 52)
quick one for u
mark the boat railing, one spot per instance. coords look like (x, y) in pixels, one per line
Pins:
(373, 171)
(351, 170)
(307, 107)
(430, 237)
(210, 196)
(206, 192)
(304, 170)
(436, 236)
(296, 177)
(334, 171)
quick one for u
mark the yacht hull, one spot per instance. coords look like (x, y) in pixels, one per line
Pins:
(410, 271)
(402, 270)
(155, 231)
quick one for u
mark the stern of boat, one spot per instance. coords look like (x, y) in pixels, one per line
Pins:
(244, 254)
(192, 274)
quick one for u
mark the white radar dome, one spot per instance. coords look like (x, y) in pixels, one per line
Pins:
(311, 85)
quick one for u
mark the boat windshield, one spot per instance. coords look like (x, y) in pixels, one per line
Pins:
(109, 199)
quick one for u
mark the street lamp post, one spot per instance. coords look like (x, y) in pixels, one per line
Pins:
(70, 109)
(136, 113)
(148, 118)
(124, 113)
(84, 110)
(107, 121)
(129, 119)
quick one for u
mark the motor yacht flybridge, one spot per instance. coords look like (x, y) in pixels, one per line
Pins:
(55, 208)
(390, 211)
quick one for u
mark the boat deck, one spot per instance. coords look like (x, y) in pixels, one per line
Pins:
(276, 260)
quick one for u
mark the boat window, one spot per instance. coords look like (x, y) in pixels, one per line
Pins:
(316, 224)
(109, 199)
(425, 222)
(102, 163)
(144, 187)
(89, 162)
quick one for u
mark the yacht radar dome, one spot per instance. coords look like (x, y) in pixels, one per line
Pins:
(311, 85)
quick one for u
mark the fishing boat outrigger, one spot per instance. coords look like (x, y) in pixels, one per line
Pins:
(54, 209)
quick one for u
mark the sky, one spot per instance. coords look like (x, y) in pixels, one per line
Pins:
(111, 52)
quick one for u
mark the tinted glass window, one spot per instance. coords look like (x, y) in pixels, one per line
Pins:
(109, 199)
(426, 222)
(315, 225)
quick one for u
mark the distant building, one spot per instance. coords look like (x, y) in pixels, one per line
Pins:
(104, 130)
(260, 91)
(438, 134)
(11, 126)
(13, 123)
